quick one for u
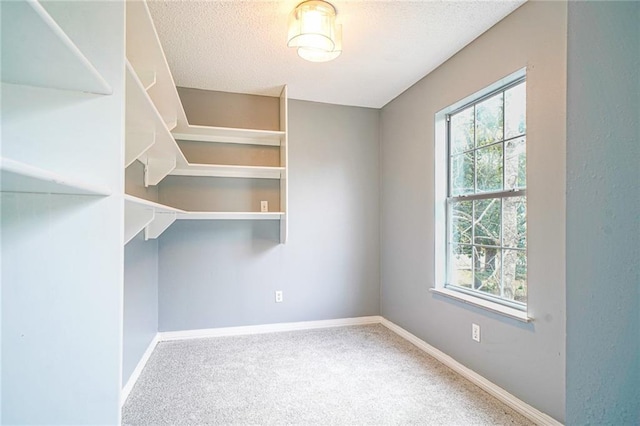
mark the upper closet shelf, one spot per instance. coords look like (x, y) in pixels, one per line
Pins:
(146, 57)
(228, 135)
(37, 52)
(20, 177)
(147, 136)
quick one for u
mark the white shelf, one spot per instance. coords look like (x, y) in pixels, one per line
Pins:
(230, 216)
(149, 75)
(141, 214)
(228, 135)
(141, 202)
(37, 52)
(215, 170)
(148, 138)
(155, 218)
(144, 52)
(20, 177)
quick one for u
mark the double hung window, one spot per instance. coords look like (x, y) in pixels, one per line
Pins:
(486, 197)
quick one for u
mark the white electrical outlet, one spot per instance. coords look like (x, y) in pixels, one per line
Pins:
(278, 296)
(264, 206)
(475, 332)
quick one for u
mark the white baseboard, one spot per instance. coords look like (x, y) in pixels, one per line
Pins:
(496, 391)
(126, 389)
(265, 328)
(520, 406)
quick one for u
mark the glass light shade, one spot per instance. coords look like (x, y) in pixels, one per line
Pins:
(318, 55)
(312, 26)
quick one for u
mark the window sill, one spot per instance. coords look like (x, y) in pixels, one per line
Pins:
(484, 304)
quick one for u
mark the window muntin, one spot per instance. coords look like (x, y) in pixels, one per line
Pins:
(486, 197)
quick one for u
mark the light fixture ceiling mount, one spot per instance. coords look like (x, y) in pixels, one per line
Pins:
(314, 32)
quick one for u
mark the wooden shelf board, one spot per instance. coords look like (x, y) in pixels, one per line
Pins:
(20, 177)
(230, 216)
(37, 52)
(215, 170)
(228, 135)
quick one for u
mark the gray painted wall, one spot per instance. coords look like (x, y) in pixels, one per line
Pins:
(525, 359)
(603, 226)
(212, 108)
(224, 273)
(219, 194)
(140, 323)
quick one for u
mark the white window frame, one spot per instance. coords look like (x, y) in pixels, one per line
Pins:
(441, 204)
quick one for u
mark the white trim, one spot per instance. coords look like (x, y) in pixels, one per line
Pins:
(483, 304)
(441, 208)
(126, 389)
(494, 390)
(266, 328)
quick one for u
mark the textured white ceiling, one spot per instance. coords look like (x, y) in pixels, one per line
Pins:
(241, 46)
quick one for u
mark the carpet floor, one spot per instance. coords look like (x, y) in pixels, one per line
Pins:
(336, 376)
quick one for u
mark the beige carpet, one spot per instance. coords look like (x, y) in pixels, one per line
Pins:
(336, 376)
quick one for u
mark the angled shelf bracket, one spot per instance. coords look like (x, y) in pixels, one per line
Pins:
(171, 124)
(159, 224)
(136, 218)
(141, 214)
(155, 170)
(137, 143)
(147, 78)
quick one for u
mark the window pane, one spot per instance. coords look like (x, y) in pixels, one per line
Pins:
(489, 121)
(462, 131)
(515, 107)
(462, 174)
(514, 222)
(515, 163)
(515, 275)
(487, 270)
(487, 221)
(461, 265)
(461, 219)
(489, 168)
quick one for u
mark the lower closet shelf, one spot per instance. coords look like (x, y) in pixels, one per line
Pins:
(231, 215)
(154, 218)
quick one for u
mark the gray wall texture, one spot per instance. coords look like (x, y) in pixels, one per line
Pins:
(140, 301)
(224, 273)
(603, 225)
(525, 359)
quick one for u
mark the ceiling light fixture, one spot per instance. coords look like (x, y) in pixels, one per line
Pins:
(314, 32)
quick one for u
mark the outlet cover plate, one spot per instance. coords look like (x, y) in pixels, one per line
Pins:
(475, 332)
